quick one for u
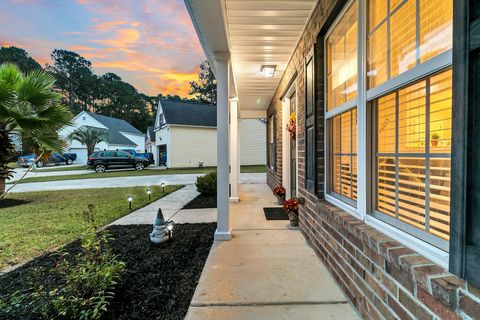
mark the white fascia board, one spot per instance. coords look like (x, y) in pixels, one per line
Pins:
(190, 126)
(209, 21)
(133, 133)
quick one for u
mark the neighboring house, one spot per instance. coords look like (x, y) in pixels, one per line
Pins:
(186, 136)
(16, 140)
(150, 140)
(386, 153)
(122, 135)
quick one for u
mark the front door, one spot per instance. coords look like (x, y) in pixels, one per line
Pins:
(293, 151)
(162, 155)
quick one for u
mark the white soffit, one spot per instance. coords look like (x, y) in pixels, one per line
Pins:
(263, 32)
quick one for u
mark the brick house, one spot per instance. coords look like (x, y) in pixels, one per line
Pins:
(384, 152)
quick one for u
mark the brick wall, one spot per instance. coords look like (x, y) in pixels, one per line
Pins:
(380, 276)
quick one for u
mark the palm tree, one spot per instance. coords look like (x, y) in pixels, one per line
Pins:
(30, 107)
(89, 137)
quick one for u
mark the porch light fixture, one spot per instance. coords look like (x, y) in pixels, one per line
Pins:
(268, 71)
(130, 199)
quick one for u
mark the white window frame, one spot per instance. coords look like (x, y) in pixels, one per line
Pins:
(337, 110)
(364, 98)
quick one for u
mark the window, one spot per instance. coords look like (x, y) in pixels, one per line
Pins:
(343, 156)
(341, 46)
(109, 154)
(402, 34)
(388, 122)
(272, 141)
(342, 86)
(413, 134)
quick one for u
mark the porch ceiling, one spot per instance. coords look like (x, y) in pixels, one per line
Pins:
(262, 32)
(255, 33)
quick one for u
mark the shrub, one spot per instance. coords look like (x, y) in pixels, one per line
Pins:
(207, 184)
(87, 281)
(90, 277)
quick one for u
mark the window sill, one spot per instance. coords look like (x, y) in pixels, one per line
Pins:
(427, 250)
(343, 205)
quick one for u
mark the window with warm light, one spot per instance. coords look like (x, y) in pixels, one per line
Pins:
(413, 135)
(341, 65)
(404, 34)
(343, 156)
(388, 121)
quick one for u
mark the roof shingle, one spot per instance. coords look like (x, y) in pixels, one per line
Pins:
(189, 113)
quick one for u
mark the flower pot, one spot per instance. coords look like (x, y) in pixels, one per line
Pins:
(280, 199)
(434, 143)
(293, 216)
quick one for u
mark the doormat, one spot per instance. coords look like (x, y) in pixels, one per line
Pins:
(275, 213)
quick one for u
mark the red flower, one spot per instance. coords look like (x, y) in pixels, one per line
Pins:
(279, 191)
(291, 205)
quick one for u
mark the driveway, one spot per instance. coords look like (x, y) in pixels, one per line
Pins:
(118, 182)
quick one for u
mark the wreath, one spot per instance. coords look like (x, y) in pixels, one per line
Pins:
(291, 125)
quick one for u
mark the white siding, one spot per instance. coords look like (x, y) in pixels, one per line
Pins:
(84, 119)
(253, 142)
(138, 139)
(162, 136)
(191, 145)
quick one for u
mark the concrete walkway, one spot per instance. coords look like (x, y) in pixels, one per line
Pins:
(171, 205)
(266, 272)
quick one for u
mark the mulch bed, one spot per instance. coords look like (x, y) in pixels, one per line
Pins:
(202, 202)
(159, 282)
(7, 203)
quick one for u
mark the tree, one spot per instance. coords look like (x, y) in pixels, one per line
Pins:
(20, 58)
(75, 79)
(121, 100)
(206, 87)
(89, 137)
(29, 107)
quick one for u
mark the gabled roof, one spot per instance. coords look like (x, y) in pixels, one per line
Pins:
(151, 134)
(189, 113)
(115, 127)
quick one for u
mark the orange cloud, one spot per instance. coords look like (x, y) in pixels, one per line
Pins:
(82, 48)
(108, 25)
(122, 38)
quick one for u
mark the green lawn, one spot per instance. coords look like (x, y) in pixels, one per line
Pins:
(62, 168)
(253, 169)
(131, 173)
(53, 218)
(13, 165)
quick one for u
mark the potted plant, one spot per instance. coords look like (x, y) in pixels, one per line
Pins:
(434, 139)
(279, 192)
(291, 208)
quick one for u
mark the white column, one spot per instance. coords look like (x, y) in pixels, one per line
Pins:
(239, 136)
(234, 150)
(223, 231)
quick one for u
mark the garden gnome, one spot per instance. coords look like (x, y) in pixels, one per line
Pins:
(160, 233)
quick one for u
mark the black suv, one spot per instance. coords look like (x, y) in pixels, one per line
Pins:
(101, 160)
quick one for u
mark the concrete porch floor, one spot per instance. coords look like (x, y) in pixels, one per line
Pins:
(266, 271)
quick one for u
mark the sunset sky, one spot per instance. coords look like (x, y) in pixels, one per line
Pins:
(149, 43)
